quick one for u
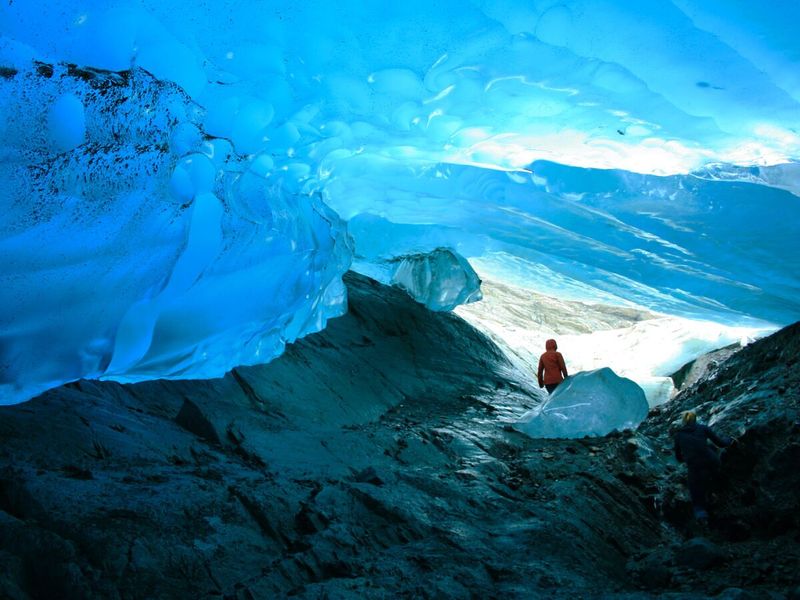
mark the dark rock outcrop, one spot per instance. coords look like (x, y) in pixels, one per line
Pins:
(372, 461)
(694, 370)
(754, 396)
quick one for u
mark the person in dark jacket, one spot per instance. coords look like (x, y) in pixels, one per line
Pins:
(701, 459)
(552, 369)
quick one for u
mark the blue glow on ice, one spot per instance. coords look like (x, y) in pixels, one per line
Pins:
(592, 403)
(170, 200)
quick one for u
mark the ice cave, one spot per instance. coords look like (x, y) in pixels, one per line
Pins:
(179, 175)
(201, 197)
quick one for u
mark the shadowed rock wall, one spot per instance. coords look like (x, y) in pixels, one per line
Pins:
(371, 460)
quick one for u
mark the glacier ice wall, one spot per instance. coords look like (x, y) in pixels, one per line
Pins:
(135, 246)
(186, 218)
(651, 87)
(679, 244)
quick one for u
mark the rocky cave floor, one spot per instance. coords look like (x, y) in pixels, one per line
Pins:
(376, 460)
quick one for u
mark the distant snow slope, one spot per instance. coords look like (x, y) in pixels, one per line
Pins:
(643, 346)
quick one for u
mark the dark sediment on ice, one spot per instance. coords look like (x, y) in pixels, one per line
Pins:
(371, 461)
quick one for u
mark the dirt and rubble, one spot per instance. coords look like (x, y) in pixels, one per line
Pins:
(378, 459)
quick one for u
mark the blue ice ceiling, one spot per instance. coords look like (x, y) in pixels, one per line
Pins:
(180, 176)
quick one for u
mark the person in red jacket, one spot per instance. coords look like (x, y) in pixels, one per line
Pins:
(552, 369)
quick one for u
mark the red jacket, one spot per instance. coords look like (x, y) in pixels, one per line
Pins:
(552, 368)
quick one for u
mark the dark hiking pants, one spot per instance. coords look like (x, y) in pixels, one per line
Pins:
(699, 481)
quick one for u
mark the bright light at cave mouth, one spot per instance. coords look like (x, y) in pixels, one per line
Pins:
(187, 182)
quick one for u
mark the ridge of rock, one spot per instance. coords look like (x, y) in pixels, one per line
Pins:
(371, 460)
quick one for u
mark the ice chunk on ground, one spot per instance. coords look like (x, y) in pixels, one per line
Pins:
(640, 345)
(591, 403)
(441, 279)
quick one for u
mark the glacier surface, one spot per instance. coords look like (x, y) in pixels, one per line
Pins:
(186, 182)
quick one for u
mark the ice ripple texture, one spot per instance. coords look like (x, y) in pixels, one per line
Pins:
(136, 246)
(200, 173)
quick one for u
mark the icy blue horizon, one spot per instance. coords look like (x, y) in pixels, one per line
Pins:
(178, 174)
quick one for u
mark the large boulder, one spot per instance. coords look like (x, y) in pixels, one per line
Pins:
(591, 403)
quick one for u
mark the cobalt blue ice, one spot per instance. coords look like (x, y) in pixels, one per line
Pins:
(184, 183)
